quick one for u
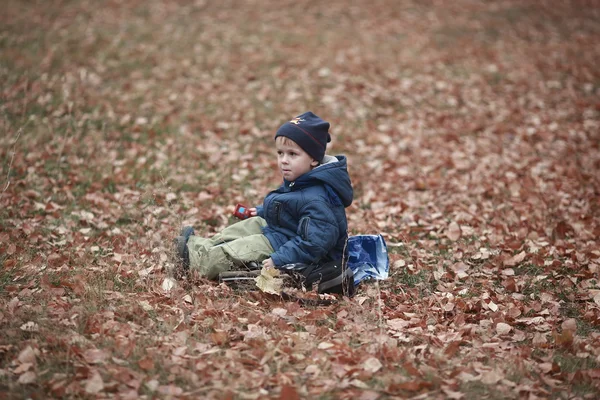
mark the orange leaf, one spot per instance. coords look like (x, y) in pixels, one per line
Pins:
(411, 369)
(219, 337)
(289, 393)
(452, 348)
(564, 339)
(146, 364)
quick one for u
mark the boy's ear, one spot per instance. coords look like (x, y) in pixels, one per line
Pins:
(314, 163)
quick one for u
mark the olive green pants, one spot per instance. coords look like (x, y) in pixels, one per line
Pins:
(234, 246)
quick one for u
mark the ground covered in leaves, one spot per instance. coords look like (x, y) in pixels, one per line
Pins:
(472, 131)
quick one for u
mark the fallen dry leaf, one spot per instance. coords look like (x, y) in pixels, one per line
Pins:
(453, 232)
(27, 378)
(372, 365)
(22, 368)
(539, 338)
(491, 377)
(95, 356)
(268, 281)
(503, 328)
(94, 384)
(168, 284)
(325, 345)
(146, 363)
(569, 325)
(170, 390)
(289, 393)
(515, 260)
(597, 298)
(30, 327)
(27, 355)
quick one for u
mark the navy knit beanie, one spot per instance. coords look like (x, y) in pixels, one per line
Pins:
(309, 132)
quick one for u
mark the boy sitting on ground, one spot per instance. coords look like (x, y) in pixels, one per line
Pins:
(303, 221)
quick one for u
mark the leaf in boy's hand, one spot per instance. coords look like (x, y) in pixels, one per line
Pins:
(268, 281)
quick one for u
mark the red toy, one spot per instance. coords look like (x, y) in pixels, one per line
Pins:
(241, 211)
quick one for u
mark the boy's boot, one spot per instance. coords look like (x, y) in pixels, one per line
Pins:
(181, 248)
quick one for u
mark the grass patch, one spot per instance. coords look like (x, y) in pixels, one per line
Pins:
(479, 390)
(539, 287)
(418, 279)
(571, 363)
(573, 310)
(528, 269)
(7, 275)
(449, 35)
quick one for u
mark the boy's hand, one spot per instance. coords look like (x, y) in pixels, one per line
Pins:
(268, 263)
(253, 212)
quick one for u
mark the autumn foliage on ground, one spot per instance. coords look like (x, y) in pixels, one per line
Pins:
(472, 130)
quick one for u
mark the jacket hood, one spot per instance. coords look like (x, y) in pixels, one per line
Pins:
(333, 172)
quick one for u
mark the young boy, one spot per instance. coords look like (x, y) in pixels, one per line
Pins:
(303, 221)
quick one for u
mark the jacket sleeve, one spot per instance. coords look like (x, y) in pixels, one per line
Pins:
(316, 235)
(260, 211)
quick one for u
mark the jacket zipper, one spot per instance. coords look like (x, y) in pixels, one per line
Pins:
(278, 212)
(304, 227)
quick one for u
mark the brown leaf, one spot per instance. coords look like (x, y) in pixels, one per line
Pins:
(449, 307)
(539, 339)
(95, 356)
(22, 368)
(398, 324)
(372, 365)
(561, 230)
(453, 395)
(514, 260)
(564, 339)
(369, 395)
(569, 325)
(146, 363)
(412, 386)
(503, 328)
(219, 337)
(491, 377)
(94, 384)
(411, 369)
(27, 355)
(12, 248)
(452, 348)
(27, 378)
(289, 393)
(510, 284)
(170, 390)
(453, 232)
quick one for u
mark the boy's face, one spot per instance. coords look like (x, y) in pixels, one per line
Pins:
(291, 159)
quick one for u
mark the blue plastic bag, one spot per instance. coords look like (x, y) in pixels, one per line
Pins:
(368, 257)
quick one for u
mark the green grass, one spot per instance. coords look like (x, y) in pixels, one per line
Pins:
(7, 275)
(573, 310)
(412, 280)
(479, 390)
(570, 363)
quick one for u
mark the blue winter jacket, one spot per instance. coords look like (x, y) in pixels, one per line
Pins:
(306, 219)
